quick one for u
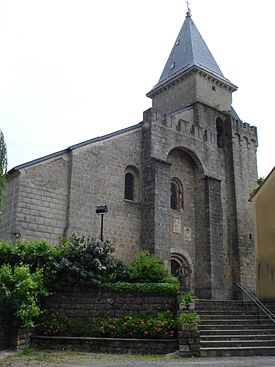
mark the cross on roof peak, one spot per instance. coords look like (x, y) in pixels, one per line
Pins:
(188, 13)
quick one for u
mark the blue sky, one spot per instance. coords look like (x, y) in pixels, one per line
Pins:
(72, 70)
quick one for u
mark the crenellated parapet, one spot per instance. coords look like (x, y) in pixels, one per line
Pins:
(181, 125)
(244, 134)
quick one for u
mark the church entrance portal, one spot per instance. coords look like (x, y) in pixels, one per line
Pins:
(181, 269)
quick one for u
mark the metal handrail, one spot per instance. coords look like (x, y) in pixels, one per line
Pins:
(257, 302)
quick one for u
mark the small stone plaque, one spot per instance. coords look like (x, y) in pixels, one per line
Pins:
(187, 234)
(176, 225)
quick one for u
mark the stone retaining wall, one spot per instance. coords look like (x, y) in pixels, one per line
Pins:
(12, 334)
(189, 342)
(93, 303)
(106, 345)
(4, 326)
(19, 337)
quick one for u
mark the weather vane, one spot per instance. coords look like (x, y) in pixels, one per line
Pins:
(188, 13)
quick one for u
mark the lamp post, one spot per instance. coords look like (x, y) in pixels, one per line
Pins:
(101, 210)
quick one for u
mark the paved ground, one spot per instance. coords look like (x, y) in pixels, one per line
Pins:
(32, 358)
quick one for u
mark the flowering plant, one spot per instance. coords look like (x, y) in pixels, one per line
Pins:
(160, 326)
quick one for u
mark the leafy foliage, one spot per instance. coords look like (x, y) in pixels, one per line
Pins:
(21, 290)
(189, 317)
(29, 267)
(36, 254)
(83, 260)
(129, 326)
(187, 298)
(148, 269)
(144, 288)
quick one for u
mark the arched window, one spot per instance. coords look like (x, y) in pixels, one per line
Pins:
(176, 197)
(131, 183)
(129, 186)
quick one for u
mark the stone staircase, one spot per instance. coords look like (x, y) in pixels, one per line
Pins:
(234, 328)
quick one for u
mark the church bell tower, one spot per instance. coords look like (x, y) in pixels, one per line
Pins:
(198, 168)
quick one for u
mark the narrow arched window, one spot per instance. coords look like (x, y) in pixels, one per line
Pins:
(129, 186)
(176, 197)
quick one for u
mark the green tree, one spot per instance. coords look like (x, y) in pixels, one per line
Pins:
(3, 167)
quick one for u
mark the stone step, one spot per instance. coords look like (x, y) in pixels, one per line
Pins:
(243, 336)
(223, 326)
(234, 328)
(219, 332)
(237, 343)
(234, 321)
(233, 317)
(225, 305)
(237, 352)
(231, 312)
(228, 304)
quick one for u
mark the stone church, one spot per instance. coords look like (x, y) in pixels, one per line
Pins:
(177, 183)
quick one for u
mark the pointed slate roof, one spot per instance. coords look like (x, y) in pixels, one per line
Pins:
(190, 50)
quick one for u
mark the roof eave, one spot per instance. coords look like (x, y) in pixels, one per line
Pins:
(73, 147)
(183, 73)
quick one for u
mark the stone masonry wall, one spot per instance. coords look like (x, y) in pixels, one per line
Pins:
(147, 235)
(107, 345)
(8, 218)
(93, 303)
(42, 200)
(193, 137)
(183, 168)
(98, 177)
(244, 138)
(215, 220)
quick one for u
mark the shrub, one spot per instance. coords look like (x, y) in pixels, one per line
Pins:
(36, 254)
(148, 269)
(6, 253)
(83, 260)
(21, 291)
(187, 298)
(144, 288)
(189, 317)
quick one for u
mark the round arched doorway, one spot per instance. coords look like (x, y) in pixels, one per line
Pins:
(181, 269)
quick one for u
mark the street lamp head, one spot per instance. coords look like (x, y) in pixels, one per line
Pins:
(101, 209)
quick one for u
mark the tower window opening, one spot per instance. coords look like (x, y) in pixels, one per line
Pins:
(220, 132)
(176, 197)
(129, 186)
